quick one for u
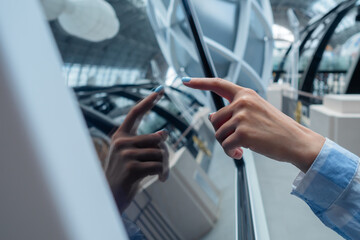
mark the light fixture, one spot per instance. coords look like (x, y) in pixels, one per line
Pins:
(92, 20)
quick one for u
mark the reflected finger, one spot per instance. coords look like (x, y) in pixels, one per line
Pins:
(136, 114)
(145, 154)
(165, 163)
(150, 140)
(144, 169)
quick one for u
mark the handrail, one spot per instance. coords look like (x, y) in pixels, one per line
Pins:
(126, 86)
(308, 78)
(309, 95)
(309, 29)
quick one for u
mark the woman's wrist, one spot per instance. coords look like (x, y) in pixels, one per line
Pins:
(310, 145)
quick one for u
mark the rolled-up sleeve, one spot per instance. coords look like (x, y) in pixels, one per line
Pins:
(331, 187)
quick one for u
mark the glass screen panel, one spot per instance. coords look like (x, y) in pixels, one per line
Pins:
(219, 26)
(111, 76)
(254, 53)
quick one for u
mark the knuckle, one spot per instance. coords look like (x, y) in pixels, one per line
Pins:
(242, 135)
(154, 153)
(127, 175)
(135, 110)
(127, 153)
(119, 143)
(116, 135)
(217, 136)
(113, 138)
(158, 137)
(132, 166)
(121, 155)
(159, 154)
(242, 102)
(250, 92)
(162, 153)
(217, 82)
(243, 138)
(225, 145)
(240, 117)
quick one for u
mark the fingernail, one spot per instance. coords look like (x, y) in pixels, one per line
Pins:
(238, 156)
(159, 89)
(238, 153)
(164, 133)
(163, 177)
(209, 116)
(186, 79)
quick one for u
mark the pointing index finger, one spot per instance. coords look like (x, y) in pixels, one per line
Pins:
(220, 86)
(135, 115)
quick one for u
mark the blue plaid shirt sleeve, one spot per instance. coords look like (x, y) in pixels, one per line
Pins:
(331, 187)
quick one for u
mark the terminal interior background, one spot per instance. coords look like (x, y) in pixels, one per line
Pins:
(76, 73)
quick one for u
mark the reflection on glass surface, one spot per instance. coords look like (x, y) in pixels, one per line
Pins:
(229, 41)
(259, 2)
(155, 46)
(110, 77)
(311, 46)
(280, 49)
(222, 24)
(176, 41)
(340, 53)
(310, 40)
(283, 40)
(255, 49)
(166, 3)
(322, 6)
(219, 26)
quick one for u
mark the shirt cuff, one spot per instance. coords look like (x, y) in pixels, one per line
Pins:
(327, 178)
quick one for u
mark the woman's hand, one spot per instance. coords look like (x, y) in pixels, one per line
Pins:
(132, 157)
(251, 122)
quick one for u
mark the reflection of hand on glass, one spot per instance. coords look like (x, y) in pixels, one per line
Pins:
(251, 122)
(132, 157)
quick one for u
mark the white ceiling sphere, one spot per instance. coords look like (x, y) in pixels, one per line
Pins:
(93, 20)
